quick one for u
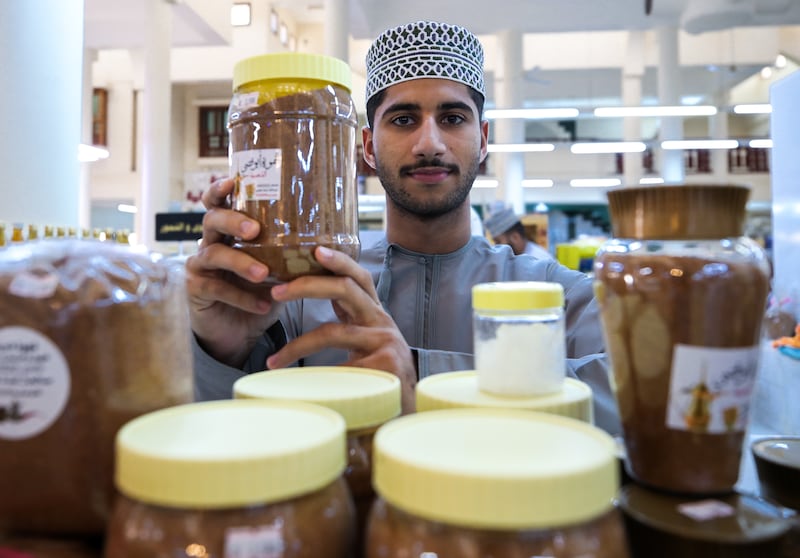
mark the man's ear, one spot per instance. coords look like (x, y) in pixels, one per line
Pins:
(369, 148)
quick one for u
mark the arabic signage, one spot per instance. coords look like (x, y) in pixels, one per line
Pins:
(179, 226)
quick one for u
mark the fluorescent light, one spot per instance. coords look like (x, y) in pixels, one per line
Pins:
(651, 180)
(699, 144)
(90, 153)
(240, 14)
(760, 144)
(126, 208)
(692, 110)
(760, 108)
(520, 147)
(608, 147)
(484, 183)
(538, 113)
(537, 183)
(594, 182)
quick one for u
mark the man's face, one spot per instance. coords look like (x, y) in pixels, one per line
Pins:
(426, 145)
(513, 239)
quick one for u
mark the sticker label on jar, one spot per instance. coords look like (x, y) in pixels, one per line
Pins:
(710, 388)
(254, 542)
(257, 174)
(34, 383)
(243, 101)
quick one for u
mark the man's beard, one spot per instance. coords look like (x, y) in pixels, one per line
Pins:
(424, 208)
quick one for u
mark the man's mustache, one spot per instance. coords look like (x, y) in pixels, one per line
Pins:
(427, 164)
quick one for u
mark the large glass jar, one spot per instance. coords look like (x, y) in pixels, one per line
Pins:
(292, 149)
(496, 483)
(232, 478)
(682, 296)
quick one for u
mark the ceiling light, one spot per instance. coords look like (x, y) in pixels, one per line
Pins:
(537, 183)
(608, 147)
(126, 208)
(766, 72)
(520, 147)
(484, 183)
(651, 180)
(679, 110)
(699, 144)
(759, 108)
(90, 153)
(594, 182)
(780, 61)
(540, 113)
(760, 144)
(240, 14)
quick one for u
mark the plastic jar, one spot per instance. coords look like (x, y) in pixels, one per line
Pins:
(232, 478)
(365, 398)
(491, 482)
(459, 390)
(292, 127)
(682, 298)
(519, 342)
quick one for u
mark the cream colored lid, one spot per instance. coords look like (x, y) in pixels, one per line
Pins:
(495, 468)
(452, 390)
(364, 397)
(225, 454)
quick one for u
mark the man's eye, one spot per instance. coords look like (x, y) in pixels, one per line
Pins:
(402, 120)
(454, 119)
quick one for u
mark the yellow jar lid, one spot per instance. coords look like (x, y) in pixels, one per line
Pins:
(458, 390)
(225, 454)
(292, 65)
(495, 468)
(364, 397)
(517, 295)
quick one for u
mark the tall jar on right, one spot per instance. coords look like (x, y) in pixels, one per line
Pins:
(682, 294)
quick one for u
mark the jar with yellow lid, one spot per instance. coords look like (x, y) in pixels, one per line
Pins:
(519, 339)
(292, 126)
(365, 398)
(232, 478)
(494, 483)
(459, 390)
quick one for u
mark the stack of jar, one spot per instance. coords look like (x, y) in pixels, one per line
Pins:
(682, 295)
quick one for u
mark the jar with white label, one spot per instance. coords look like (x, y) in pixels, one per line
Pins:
(682, 296)
(243, 478)
(292, 126)
(519, 340)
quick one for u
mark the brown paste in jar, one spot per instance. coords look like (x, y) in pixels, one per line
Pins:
(317, 205)
(649, 303)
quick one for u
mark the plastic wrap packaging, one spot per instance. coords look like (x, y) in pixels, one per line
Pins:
(91, 335)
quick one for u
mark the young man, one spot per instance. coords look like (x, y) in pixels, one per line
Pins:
(405, 306)
(505, 228)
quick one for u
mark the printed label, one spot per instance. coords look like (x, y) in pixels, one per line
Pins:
(706, 509)
(243, 101)
(34, 382)
(710, 388)
(257, 175)
(254, 542)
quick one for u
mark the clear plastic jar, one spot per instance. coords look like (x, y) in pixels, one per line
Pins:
(682, 297)
(292, 127)
(519, 341)
(474, 483)
(232, 478)
(365, 398)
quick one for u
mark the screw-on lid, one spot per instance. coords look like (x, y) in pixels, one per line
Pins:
(225, 454)
(678, 212)
(517, 295)
(495, 468)
(364, 397)
(454, 390)
(292, 65)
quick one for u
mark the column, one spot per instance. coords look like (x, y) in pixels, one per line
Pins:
(156, 130)
(718, 126)
(41, 56)
(632, 73)
(84, 188)
(669, 93)
(510, 167)
(337, 28)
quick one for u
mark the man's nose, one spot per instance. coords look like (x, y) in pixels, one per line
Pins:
(430, 141)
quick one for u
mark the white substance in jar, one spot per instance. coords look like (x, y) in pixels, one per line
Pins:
(522, 358)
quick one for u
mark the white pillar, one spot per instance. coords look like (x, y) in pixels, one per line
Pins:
(632, 73)
(718, 126)
(510, 167)
(337, 30)
(155, 188)
(41, 55)
(669, 93)
(84, 189)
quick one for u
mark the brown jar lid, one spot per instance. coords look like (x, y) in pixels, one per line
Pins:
(678, 212)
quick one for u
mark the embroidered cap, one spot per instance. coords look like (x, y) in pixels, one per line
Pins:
(500, 222)
(425, 49)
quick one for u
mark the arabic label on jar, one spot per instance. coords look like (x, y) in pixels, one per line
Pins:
(710, 388)
(34, 383)
(254, 542)
(257, 174)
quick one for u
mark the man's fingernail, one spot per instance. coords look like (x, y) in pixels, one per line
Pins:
(247, 227)
(324, 252)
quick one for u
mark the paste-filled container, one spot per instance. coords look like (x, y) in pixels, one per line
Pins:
(292, 127)
(232, 478)
(682, 295)
(494, 482)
